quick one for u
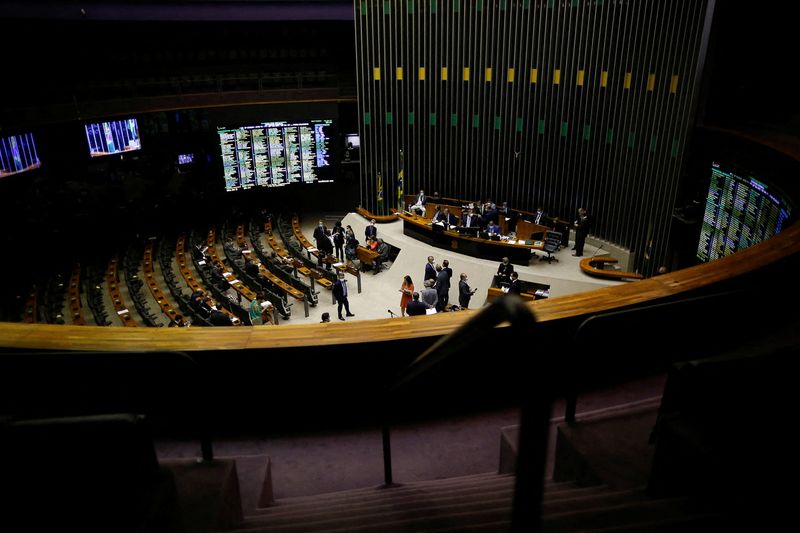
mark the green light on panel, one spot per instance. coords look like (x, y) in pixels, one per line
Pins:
(609, 136)
(456, 6)
(389, 118)
(526, 4)
(587, 132)
(453, 119)
(502, 5)
(434, 6)
(363, 7)
(551, 4)
(410, 7)
(675, 146)
(497, 123)
(387, 7)
(540, 129)
(574, 3)
(410, 118)
(564, 128)
(479, 5)
(475, 121)
(433, 119)
(631, 139)
(519, 124)
(367, 118)
(653, 143)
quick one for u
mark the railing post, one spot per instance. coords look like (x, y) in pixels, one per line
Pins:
(387, 456)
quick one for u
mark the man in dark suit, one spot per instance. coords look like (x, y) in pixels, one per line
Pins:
(581, 225)
(516, 284)
(430, 270)
(340, 293)
(504, 271)
(319, 232)
(464, 292)
(415, 307)
(371, 230)
(442, 288)
(218, 318)
(251, 268)
(540, 217)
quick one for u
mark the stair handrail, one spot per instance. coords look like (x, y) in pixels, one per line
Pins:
(507, 311)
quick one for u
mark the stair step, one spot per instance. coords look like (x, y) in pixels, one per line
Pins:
(397, 495)
(617, 515)
(354, 516)
(479, 480)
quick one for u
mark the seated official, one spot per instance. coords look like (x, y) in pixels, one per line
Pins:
(438, 215)
(469, 220)
(218, 318)
(415, 307)
(382, 249)
(251, 268)
(493, 229)
(516, 285)
(418, 206)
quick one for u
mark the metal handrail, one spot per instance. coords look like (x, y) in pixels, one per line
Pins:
(509, 311)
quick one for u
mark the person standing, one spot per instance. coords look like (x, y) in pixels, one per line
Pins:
(351, 244)
(255, 311)
(430, 269)
(407, 292)
(428, 295)
(371, 231)
(464, 292)
(338, 240)
(442, 288)
(340, 293)
(581, 225)
(504, 271)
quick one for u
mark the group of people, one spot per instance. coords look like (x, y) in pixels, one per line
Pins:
(436, 292)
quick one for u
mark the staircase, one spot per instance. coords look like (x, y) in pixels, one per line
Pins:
(479, 502)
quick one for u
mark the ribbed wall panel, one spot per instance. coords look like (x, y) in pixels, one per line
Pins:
(577, 109)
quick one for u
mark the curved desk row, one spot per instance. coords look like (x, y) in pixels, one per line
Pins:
(594, 266)
(421, 229)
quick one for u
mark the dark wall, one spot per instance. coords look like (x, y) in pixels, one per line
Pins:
(563, 104)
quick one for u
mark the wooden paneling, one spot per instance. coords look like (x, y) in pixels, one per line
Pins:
(600, 119)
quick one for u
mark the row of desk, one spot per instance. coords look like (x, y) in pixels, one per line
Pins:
(422, 229)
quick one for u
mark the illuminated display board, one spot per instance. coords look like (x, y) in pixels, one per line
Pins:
(274, 154)
(740, 211)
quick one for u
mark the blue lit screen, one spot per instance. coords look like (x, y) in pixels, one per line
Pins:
(113, 137)
(18, 154)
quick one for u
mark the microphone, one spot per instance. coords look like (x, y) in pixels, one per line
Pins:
(391, 314)
(597, 251)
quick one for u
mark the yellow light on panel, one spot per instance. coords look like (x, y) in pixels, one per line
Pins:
(488, 74)
(376, 73)
(579, 80)
(651, 82)
(534, 75)
(444, 73)
(421, 73)
(466, 73)
(398, 73)
(673, 85)
(604, 79)
(627, 83)
(557, 76)
(510, 75)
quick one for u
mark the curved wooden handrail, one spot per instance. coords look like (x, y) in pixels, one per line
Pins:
(378, 218)
(594, 267)
(51, 337)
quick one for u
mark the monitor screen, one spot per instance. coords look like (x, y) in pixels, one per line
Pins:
(18, 154)
(185, 159)
(741, 210)
(351, 139)
(274, 154)
(113, 137)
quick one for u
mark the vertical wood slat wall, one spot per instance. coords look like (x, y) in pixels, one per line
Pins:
(534, 102)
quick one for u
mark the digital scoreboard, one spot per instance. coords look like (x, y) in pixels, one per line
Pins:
(274, 154)
(740, 211)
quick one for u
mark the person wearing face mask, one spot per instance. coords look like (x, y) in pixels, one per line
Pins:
(464, 292)
(504, 271)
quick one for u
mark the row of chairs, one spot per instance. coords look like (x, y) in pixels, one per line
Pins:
(93, 288)
(131, 263)
(165, 251)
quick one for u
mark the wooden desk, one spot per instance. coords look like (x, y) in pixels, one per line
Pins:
(594, 267)
(112, 277)
(530, 290)
(421, 229)
(380, 219)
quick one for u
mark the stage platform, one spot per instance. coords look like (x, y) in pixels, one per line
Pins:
(380, 293)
